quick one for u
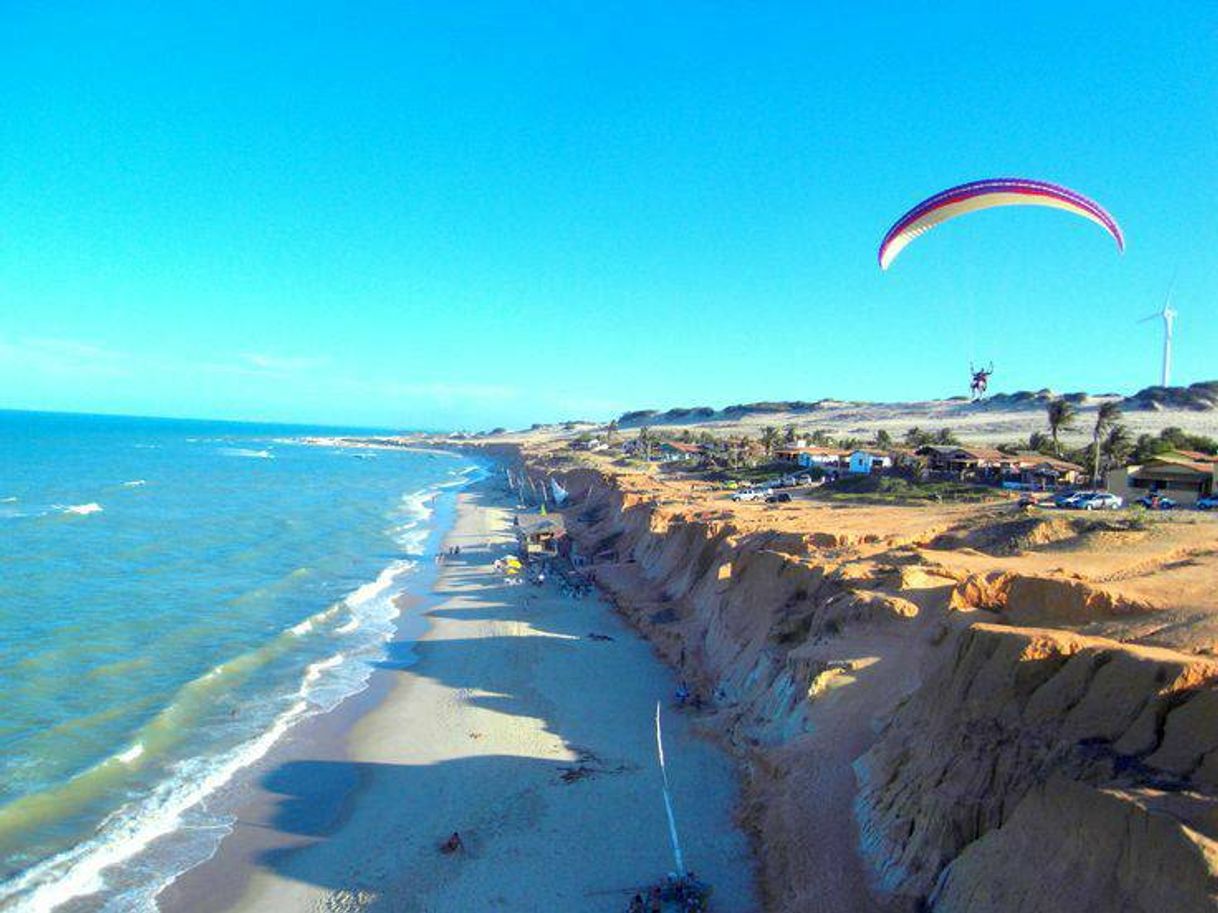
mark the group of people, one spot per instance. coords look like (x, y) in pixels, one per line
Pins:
(686, 697)
(688, 893)
(451, 552)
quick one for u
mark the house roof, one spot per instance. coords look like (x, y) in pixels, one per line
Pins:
(985, 453)
(952, 451)
(1195, 456)
(1167, 466)
(875, 453)
(682, 446)
(536, 524)
(822, 451)
(1034, 459)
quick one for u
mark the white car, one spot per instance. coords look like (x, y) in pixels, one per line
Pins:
(1209, 502)
(1101, 500)
(747, 495)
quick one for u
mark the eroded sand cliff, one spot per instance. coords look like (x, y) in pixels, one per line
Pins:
(936, 709)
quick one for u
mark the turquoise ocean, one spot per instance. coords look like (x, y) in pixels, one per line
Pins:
(174, 597)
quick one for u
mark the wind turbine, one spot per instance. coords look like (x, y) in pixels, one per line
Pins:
(1168, 314)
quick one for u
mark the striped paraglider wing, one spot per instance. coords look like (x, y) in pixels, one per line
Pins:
(966, 198)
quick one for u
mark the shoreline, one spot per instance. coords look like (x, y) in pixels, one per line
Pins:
(507, 694)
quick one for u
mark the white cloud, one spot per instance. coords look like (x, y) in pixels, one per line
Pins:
(63, 357)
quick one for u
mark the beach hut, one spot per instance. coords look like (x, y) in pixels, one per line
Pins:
(541, 536)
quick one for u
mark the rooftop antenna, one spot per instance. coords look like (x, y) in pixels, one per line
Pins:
(1168, 315)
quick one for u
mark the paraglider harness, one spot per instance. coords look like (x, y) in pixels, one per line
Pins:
(981, 380)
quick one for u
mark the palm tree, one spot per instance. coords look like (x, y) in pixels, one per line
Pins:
(915, 437)
(945, 437)
(1038, 441)
(1106, 417)
(611, 431)
(790, 435)
(769, 438)
(883, 439)
(646, 439)
(1118, 444)
(1061, 418)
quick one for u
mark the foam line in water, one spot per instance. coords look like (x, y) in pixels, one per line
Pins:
(371, 612)
(82, 509)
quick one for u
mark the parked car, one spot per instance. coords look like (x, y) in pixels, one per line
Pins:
(1068, 500)
(778, 498)
(746, 494)
(1157, 502)
(803, 479)
(1101, 500)
(1209, 502)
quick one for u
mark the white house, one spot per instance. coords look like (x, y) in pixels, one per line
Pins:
(864, 462)
(808, 457)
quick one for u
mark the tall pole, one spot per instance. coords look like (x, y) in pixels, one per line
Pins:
(1168, 317)
(678, 858)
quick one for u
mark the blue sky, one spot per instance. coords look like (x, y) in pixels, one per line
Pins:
(468, 215)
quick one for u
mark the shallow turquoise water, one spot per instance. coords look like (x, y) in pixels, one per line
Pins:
(173, 596)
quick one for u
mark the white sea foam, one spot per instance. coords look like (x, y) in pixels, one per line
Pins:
(134, 483)
(82, 509)
(131, 753)
(248, 453)
(78, 871)
(315, 670)
(325, 683)
(7, 500)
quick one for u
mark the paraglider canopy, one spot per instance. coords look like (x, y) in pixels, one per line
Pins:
(975, 195)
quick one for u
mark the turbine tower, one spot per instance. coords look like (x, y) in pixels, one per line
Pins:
(1168, 315)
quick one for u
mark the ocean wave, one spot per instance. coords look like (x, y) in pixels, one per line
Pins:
(81, 509)
(248, 453)
(131, 754)
(128, 831)
(369, 614)
(11, 500)
(134, 483)
(79, 871)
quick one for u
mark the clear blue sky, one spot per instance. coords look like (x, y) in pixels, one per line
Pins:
(443, 214)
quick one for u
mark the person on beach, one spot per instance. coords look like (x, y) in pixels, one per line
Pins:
(636, 904)
(655, 901)
(452, 844)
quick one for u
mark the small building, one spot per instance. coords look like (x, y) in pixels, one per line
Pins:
(541, 536)
(809, 457)
(1183, 476)
(593, 445)
(980, 463)
(865, 462)
(676, 451)
(1037, 472)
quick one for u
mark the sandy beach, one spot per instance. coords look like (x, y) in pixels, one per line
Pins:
(507, 694)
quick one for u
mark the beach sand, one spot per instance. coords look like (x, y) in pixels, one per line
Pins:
(508, 694)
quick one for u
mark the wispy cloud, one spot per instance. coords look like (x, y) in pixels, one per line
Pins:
(285, 364)
(60, 357)
(315, 374)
